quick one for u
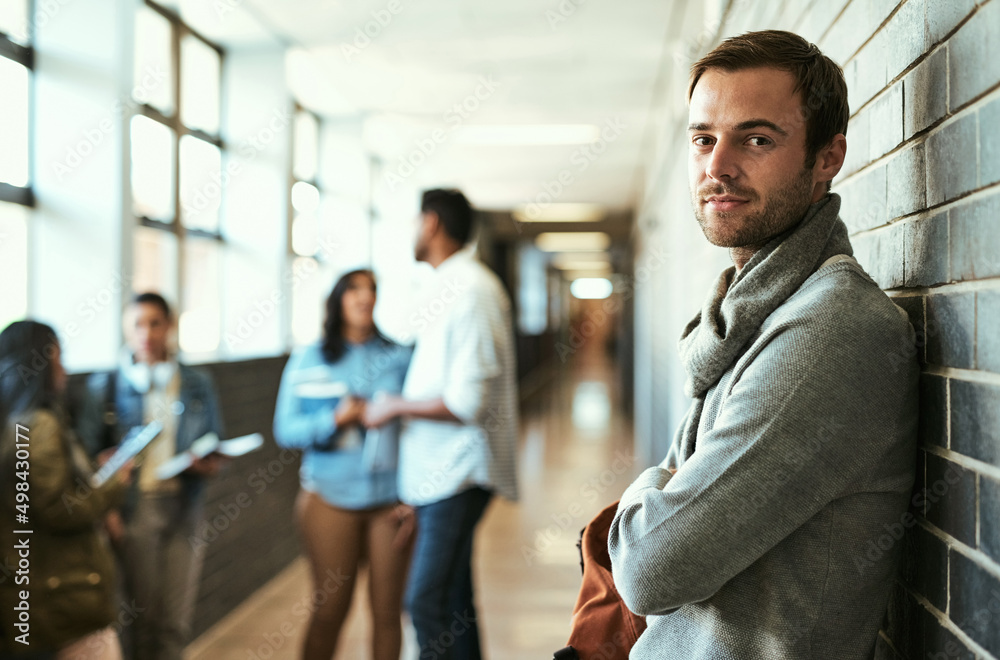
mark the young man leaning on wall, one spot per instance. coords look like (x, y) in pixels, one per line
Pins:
(748, 540)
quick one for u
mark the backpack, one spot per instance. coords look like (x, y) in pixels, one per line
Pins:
(602, 627)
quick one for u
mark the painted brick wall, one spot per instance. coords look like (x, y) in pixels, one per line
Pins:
(249, 524)
(921, 197)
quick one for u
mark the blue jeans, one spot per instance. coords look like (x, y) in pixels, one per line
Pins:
(439, 595)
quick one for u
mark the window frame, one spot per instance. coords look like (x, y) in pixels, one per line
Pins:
(179, 30)
(25, 56)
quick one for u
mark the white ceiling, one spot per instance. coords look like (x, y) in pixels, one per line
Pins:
(552, 62)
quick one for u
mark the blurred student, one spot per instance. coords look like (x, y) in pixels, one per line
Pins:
(160, 565)
(69, 582)
(348, 511)
(459, 441)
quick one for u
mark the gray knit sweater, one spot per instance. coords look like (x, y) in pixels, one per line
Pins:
(777, 537)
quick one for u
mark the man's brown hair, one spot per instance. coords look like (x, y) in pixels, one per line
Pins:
(819, 79)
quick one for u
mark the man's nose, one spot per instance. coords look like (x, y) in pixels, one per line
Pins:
(722, 162)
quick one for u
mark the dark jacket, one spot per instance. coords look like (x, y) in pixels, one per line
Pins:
(199, 415)
(70, 582)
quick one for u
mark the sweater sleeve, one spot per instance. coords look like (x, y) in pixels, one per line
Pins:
(676, 452)
(804, 423)
(58, 499)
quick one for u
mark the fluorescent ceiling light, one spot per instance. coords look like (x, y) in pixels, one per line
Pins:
(572, 241)
(591, 288)
(581, 261)
(510, 135)
(601, 266)
(560, 212)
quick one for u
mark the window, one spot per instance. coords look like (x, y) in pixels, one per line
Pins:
(304, 228)
(305, 194)
(177, 183)
(16, 61)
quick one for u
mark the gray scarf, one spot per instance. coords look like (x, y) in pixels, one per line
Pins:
(737, 305)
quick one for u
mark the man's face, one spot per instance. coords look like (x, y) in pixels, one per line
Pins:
(747, 153)
(426, 223)
(147, 331)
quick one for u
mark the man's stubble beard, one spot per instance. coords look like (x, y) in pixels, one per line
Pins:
(784, 209)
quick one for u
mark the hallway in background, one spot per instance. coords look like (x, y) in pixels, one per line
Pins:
(575, 458)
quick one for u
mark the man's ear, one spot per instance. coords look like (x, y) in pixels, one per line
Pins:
(830, 159)
(432, 223)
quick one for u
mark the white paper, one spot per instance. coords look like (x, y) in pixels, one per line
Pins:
(206, 445)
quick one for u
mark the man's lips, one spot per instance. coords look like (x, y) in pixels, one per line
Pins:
(724, 202)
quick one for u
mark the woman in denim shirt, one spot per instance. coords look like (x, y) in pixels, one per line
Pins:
(347, 511)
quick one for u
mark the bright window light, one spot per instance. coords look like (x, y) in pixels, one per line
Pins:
(153, 62)
(305, 234)
(13, 123)
(154, 261)
(14, 20)
(14, 257)
(306, 146)
(573, 241)
(199, 330)
(513, 135)
(152, 169)
(307, 301)
(591, 288)
(305, 197)
(200, 322)
(560, 212)
(201, 183)
(200, 80)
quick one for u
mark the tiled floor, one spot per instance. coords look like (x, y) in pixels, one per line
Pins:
(574, 460)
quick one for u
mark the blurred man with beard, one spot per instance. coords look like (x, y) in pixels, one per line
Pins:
(459, 404)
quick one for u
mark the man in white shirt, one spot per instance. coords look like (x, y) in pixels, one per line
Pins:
(458, 444)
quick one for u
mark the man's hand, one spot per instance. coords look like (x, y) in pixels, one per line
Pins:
(115, 527)
(351, 410)
(124, 473)
(106, 454)
(209, 466)
(384, 410)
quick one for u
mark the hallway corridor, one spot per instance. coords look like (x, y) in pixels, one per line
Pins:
(575, 458)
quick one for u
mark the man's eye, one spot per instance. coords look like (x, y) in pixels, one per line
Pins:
(702, 141)
(759, 141)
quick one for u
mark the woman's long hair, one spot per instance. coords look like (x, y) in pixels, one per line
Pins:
(27, 382)
(333, 327)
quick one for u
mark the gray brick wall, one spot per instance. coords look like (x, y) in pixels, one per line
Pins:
(249, 524)
(941, 160)
(922, 201)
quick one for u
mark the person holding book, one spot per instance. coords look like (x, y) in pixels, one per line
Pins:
(160, 566)
(347, 510)
(57, 576)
